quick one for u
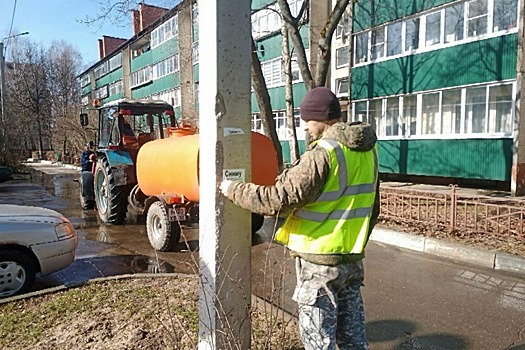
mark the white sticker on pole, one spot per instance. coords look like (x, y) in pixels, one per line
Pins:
(234, 174)
(233, 131)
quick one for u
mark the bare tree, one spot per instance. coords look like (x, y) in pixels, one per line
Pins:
(324, 41)
(29, 92)
(64, 65)
(294, 24)
(116, 11)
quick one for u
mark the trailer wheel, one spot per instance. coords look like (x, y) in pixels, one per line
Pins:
(111, 200)
(162, 233)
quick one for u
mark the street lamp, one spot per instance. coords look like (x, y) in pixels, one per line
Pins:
(2, 80)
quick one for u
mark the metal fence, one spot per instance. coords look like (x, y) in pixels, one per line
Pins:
(448, 210)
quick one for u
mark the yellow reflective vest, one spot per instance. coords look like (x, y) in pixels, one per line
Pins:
(339, 219)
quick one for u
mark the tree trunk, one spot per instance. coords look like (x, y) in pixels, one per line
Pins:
(265, 107)
(40, 142)
(295, 35)
(325, 42)
(290, 119)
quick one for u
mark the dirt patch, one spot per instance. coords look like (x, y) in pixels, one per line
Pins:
(140, 313)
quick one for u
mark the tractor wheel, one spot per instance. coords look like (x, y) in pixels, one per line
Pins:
(162, 233)
(111, 200)
(87, 198)
(17, 273)
(257, 222)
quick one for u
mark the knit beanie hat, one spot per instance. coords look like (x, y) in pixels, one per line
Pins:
(320, 104)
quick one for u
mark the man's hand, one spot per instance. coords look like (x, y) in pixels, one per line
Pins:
(225, 184)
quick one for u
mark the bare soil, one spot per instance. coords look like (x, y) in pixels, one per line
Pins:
(139, 313)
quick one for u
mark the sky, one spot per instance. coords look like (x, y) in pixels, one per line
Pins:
(49, 20)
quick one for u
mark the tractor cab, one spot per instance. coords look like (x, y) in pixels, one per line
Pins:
(126, 125)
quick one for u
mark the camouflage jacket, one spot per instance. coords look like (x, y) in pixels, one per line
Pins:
(302, 183)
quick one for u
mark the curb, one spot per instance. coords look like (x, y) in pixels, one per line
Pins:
(455, 251)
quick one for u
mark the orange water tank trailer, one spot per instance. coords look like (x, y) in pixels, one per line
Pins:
(171, 166)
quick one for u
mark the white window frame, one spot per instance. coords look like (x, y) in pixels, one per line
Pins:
(463, 33)
(469, 19)
(165, 31)
(85, 80)
(165, 67)
(465, 131)
(341, 86)
(170, 96)
(420, 21)
(141, 76)
(101, 92)
(438, 14)
(388, 31)
(346, 50)
(116, 88)
(373, 46)
(267, 20)
(195, 13)
(195, 52)
(366, 58)
(343, 27)
(115, 62)
(101, 70)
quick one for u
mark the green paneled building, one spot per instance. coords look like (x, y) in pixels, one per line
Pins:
(441, 82)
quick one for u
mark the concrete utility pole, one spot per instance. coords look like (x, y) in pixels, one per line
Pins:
(225, 148)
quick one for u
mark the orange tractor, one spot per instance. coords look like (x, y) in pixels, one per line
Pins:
(145, 159)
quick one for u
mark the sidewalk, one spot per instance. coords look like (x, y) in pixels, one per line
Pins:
(38, 163)
(459, 252)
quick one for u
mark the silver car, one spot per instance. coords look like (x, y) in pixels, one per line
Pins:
(32, 240)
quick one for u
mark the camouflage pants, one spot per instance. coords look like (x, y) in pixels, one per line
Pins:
(330, 305)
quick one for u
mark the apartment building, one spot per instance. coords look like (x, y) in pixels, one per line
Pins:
(160, 61)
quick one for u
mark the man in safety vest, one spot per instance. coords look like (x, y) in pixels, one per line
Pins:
(330, 197)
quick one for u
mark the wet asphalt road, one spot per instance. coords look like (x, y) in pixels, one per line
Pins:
(103, 250)
(412, 300)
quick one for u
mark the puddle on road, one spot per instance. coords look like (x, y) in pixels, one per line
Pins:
(85, 269)
(112, 233)
(98, 266)
(147, 264)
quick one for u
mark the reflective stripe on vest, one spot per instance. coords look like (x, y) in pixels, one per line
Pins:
(344, 190)
(338, 221)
